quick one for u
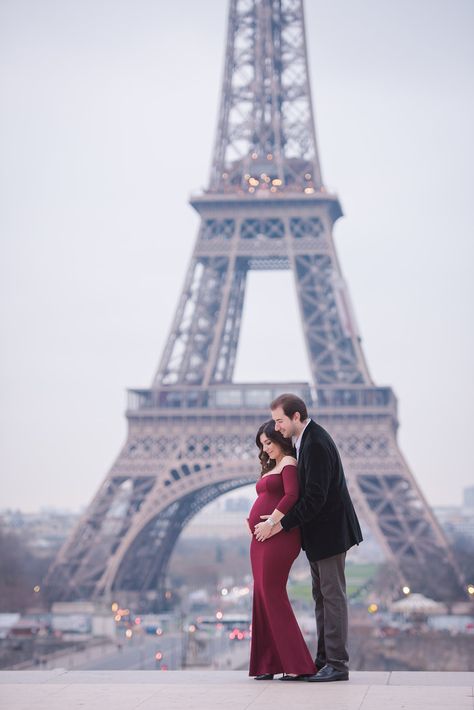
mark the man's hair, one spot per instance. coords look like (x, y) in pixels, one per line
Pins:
(290, 404)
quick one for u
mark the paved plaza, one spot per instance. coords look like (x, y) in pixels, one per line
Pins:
(230, 690)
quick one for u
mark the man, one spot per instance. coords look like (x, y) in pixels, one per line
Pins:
(329, 527)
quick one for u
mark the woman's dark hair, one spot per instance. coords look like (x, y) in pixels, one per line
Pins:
(268, 428)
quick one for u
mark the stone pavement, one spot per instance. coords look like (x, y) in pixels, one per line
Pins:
(230, 690)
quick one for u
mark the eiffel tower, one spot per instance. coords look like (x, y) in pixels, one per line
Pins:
(191, 435)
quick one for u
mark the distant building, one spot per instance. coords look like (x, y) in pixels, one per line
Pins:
(217, 520)
(238, 505)
(43, 532)
(457, 520)
(468, 497)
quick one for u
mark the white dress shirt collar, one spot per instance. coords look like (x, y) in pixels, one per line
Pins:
(298, 440)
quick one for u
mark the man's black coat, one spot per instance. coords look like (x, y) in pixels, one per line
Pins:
(324, 510)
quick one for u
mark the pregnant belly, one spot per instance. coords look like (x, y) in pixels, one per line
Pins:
(264, 505)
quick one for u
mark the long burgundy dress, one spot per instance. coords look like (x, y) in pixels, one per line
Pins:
(277, 642)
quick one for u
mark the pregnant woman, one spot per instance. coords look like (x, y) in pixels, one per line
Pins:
(277, 642)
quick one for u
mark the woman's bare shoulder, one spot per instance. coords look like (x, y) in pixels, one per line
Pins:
(288, 461)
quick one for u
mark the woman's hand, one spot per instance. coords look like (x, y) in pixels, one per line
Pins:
(263, 530)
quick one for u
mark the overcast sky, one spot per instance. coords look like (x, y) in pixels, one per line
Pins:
(107, 124)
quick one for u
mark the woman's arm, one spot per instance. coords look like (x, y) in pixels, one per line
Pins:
(291, 492)
(291, 489)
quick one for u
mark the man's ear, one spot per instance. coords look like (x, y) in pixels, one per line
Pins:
(297, 417)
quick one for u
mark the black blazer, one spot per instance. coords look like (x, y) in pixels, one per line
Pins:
(324, 511)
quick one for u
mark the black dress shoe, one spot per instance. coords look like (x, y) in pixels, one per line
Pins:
(264, 676)
(328, 673)
(302, 676)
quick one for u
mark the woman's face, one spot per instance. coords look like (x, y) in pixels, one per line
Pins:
(270, 448)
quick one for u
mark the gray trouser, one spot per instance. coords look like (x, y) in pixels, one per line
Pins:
(329, 594)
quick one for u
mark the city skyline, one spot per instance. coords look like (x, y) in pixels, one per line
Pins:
(246, 493)
(90, 312)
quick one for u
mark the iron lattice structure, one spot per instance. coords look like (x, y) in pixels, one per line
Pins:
(191, 434)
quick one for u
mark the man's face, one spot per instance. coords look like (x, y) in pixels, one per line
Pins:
(283, 423)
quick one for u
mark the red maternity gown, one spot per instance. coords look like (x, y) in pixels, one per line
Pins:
(277, 642)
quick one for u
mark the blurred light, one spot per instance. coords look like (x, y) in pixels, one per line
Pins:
(219, 615)
(159, 632)
(158, 655)
(372, 608)
(254, 182)
(115, 606)
(251, 189)
(224, 592)
(225, 175)
(129, 633)
(308, 176)
(254, 156)
(36, 588)
(273, 189)
(269, 156)
(470, 589)
(168, 594)
(277, 182)
(246, 176)
(164, 668)
(191, 629)
(236, 634)
(309, 190)
(138, 620)
(117, 617)
(406, 590)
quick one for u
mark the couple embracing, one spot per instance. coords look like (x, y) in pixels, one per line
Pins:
(303, 503)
